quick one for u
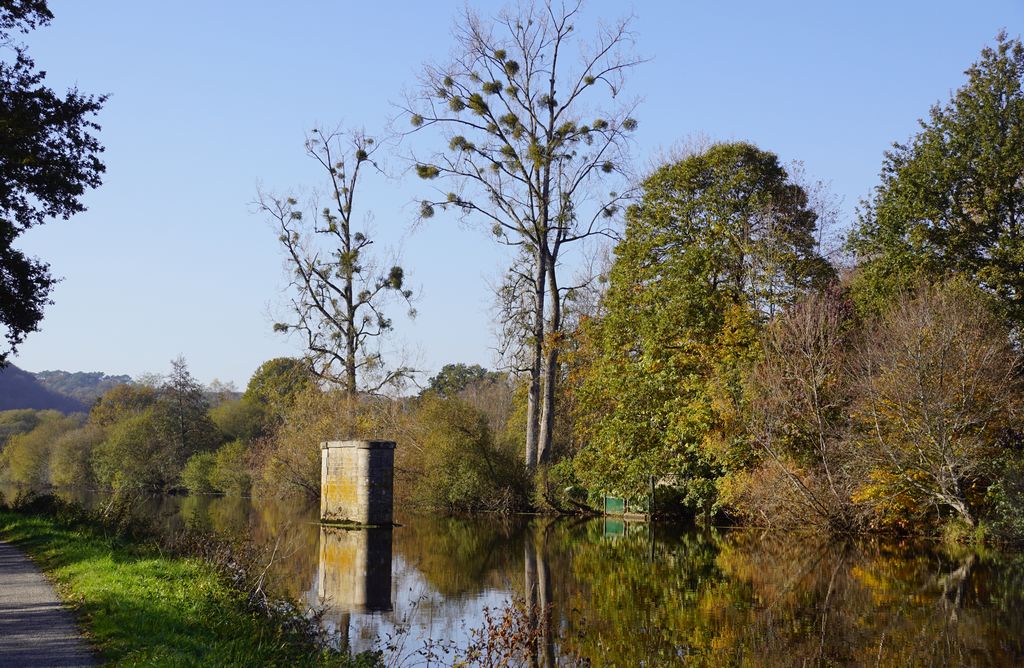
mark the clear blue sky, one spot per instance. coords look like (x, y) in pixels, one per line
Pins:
(211, 99)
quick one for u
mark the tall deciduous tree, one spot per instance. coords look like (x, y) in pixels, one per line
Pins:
(717, 242)
(338, 292)
(529, 151)
(49, 156)
(952, 198)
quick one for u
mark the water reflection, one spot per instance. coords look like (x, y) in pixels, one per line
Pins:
(353, 577)
(355, 570)
(538, 594)
(769, 600)
(627, 594)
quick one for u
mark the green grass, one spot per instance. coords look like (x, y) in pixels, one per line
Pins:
(140, 608)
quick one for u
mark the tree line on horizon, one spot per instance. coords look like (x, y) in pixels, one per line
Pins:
(169, 433)
(721, 354)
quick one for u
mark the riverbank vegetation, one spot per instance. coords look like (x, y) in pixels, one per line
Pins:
(149, 600)
(734, 353)
(877, 391)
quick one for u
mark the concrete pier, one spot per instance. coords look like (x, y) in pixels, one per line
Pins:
(357, 482)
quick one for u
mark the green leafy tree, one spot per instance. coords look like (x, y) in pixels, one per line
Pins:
(120, 402)
(230, 473)
(224, 471)
(718, 242)
(454, 378)
(49, 157)
(152, 431)
(529, 151)
(71, 456)
(21, 421)
(276, 382)
(136, 455)
(462, 469)
(951, 199)
(272, 390)
(338, 293)
(490, 392)
(25, 460)
(239, 419)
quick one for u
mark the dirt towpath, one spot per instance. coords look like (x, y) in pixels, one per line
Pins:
(35, 629)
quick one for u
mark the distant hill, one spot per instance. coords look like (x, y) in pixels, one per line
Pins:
(21, 389)
(84, 386)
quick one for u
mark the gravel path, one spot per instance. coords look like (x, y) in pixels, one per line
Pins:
(35, 630)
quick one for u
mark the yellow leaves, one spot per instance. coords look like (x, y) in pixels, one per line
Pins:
(888, 495)
(718, 442)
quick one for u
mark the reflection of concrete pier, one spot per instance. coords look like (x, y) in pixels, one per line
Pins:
(355, 570)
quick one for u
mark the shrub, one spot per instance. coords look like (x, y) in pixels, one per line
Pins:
(462, 470)
(799, 396)
(71, 454)
(290, 462)
(230, 473)
(196, 474)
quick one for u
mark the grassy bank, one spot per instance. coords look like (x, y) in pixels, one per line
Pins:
(139, 605)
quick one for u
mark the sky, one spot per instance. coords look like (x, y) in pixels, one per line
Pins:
(210, 101)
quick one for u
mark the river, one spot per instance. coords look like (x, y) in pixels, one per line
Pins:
(629, 594)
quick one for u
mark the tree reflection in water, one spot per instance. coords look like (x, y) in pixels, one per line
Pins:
(747, 598)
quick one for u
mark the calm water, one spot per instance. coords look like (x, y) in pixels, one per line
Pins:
(631, 594)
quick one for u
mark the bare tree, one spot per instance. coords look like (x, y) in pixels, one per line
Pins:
(530, 152)
(939, 394)
(800, 397)
(338, 293)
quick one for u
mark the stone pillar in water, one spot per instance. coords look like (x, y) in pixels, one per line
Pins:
(357, 482)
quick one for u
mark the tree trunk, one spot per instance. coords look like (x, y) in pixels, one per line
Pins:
(549, 371)
(960, 506)
(350, 372)
(351, 340)
(533, 402)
